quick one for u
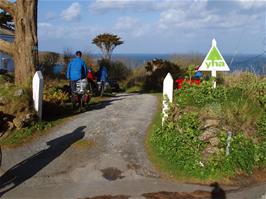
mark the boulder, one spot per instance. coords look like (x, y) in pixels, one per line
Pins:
(210, 123)
(28, 118)
(208, 151)
(18, 122)
(208, 133)
(10, 125)
(214, 141)
(19, 92)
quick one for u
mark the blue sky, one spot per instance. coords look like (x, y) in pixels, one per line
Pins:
(154, 26)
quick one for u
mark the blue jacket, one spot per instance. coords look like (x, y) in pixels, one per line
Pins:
(77, 69)
(103, 74)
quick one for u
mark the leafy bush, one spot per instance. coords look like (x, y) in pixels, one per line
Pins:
(47, 63)
(177, 143)
(56, 96)
(117, 70)
(156, 72)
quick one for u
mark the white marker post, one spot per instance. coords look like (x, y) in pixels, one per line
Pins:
(37, 92)
(168, 84)
(214, 61)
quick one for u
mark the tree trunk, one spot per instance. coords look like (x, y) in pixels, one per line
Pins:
(25, 53)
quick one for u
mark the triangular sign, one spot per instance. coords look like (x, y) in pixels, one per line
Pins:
(214, 61)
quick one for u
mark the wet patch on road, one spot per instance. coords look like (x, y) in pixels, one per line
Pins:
(112, 173)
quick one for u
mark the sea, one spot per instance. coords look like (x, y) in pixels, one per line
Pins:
(251, 63)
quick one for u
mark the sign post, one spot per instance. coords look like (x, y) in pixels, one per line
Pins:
(167, 94)
(213, 62)
(37, 92)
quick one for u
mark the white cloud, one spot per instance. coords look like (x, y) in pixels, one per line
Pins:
(51, 31)
(72, 12)
(102, 6)
(50, 15)
(248, 4)
(131, 26)
(197, 15)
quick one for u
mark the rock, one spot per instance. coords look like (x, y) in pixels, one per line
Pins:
(19, 92)
(30, 117)
(5, 119)
(10, 126)
(214, 141)
(7, 85)
(208, 151)
(3, 100)
(210, 123)
(18, 122)
(208, 133)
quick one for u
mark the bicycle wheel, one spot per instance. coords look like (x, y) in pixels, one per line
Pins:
(81, 104)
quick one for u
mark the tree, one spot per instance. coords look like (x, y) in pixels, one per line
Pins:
(47, 61)
(107, 43)
(6, 21)
(24, 49)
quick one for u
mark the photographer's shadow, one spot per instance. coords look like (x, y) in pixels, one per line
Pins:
(32, 165)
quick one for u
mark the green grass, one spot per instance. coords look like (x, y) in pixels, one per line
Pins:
(176, 150)
(18, 137)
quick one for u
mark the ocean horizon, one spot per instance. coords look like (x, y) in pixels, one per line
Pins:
(241, 62)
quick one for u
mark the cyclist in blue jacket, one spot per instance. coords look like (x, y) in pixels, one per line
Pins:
(76, 70)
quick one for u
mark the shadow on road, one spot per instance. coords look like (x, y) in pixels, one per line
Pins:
(32, 165)
(217, 192)
(102, 104)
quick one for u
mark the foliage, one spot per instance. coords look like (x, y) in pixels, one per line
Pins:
(238, 111)
(253, 85)
(179, 147)
(6, 20)
(156, 71)
(117, 70)
(56, 95)
(22, 135)
(107, 43)
(177, 144)
(47, 62)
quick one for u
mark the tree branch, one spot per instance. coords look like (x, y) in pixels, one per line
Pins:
(6, 47)
(7, 6)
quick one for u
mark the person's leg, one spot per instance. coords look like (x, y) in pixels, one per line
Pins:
(73, 86)
(102, 87)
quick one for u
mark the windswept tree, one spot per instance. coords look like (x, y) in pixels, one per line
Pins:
(24, 49)
(107, 43)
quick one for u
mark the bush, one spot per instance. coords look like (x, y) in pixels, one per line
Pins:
(117, 70)
(178, 145)
(47, 62)
(156, 72)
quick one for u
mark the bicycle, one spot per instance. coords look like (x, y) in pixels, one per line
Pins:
(81, 96)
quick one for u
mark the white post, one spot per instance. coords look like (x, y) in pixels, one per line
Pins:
(214, 75)
(37, 92)
(167, 94)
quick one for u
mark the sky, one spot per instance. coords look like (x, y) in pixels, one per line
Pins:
(154, 26)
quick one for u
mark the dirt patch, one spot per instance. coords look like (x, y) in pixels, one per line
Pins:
(258, 176)
(112, 174)
(176, 195)
(84, 144)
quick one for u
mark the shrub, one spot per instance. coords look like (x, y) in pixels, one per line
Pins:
(47, 63)
(177, 143)
(117, 70)
(156, 72)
